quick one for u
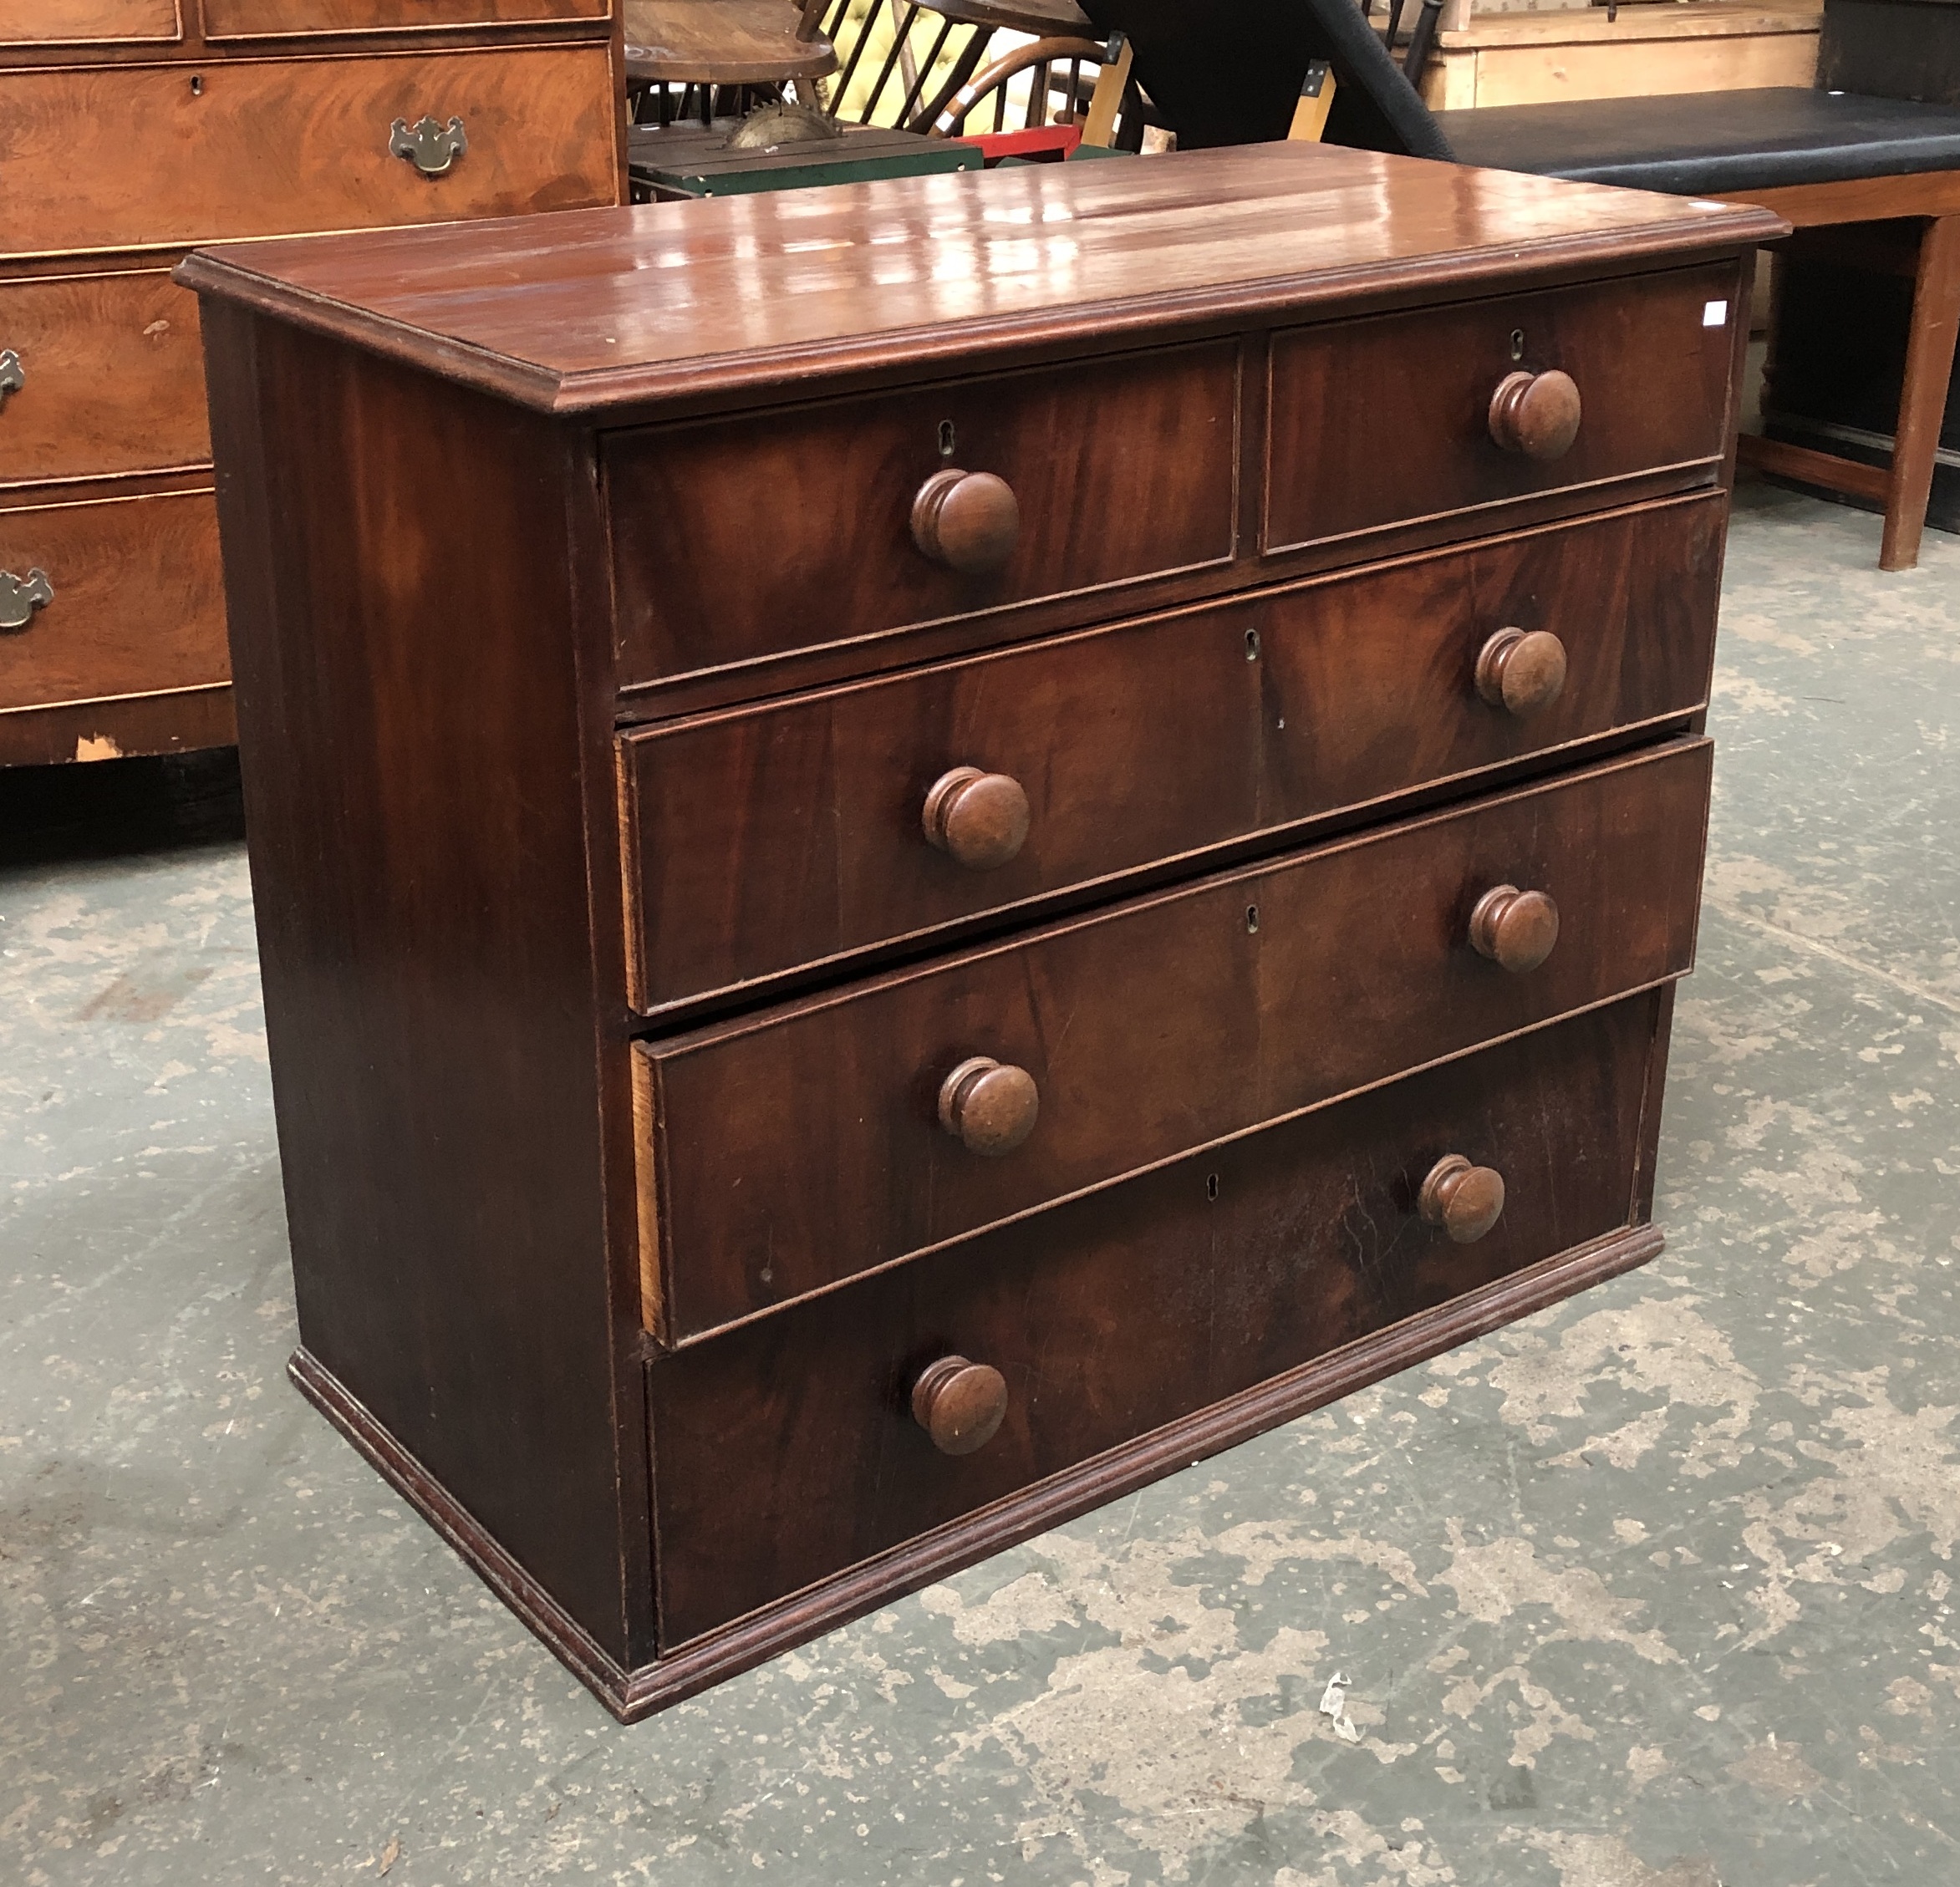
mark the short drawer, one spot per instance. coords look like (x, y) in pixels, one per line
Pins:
(250, 147)
(107, 377)
(788, 1150)
(765, 839)
(120, 597)
(299, 19)
(88, 22)
(1395, 420)
(738, 541)
(788, 1450)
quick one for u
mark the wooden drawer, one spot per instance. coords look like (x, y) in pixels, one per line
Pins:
(788, 1451)
(137, 605)
(84, 23)
(159, 156)
(736, 541)
(296, 19)
(764, 839)
(785, 1152)
(112, 377)
(1388, 421)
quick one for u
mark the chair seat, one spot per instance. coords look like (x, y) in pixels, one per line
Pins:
(1706, 144)
(720, 43)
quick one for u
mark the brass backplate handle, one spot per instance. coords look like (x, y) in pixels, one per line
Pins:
(20, 597)
(432, 147)
(13, 375)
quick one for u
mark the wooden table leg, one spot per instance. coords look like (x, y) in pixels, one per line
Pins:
(1922, 401)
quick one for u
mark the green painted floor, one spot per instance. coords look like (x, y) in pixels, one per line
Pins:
(1654, 1591)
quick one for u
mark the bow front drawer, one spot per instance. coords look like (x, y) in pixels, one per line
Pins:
(294, 19)
(1559, 397)
(786, 1151)
(88, 22)
(110, 598)
(764, 839)
(252, 147)
(738, 542)
(804, 1444)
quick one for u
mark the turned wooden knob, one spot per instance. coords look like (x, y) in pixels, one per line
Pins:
(1466, 1201)
(980, 819)
(1537, 414)
(1516, 930)
(961, 1405)
(1522, 672)
(969, 522)
(989, 1106)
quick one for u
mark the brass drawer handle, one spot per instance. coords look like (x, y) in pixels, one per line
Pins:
(980, 819)
(1536, 415)
(432, 147)
(1523, 672)
(13, 375)
(1516, 929)
(20, 597)
(1466, 1201)
(961, 1405)
(988, 1106)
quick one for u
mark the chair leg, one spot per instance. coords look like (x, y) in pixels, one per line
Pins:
(1922, 402)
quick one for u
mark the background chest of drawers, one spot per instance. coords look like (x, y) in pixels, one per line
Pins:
(973, 849)
(130, 130)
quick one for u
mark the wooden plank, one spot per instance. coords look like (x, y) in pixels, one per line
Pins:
(1784, 461)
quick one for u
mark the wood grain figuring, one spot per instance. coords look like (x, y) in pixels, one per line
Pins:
(698, 300)
(1150, 1029)
(76, 22)
(251, 148)
(138, 603)
(426, 939)
(768, 838)
(278, 19)
(115, 378)
(789, 1450)
(830, 490)
(1653, 377)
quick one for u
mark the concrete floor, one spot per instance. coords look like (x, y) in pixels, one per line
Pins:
(1654, 1590)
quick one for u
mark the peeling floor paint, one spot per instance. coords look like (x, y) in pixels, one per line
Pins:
(1654, 1590)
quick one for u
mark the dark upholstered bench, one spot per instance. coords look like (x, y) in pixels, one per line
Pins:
(1229, 73)
(1819, 160)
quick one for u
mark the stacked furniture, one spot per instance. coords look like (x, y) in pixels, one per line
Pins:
(946, 888)
(130, 130)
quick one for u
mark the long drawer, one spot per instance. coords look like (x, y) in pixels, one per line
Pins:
(765, 839)
(86, 22)
(784, 1152)
(108, 377)
(124, 597)
(1396, 420)
(134, 156)
(296, 19)
(736, 541)
(789, 1450)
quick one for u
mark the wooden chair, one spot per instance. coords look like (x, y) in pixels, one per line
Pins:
(1230, 73)
(717, 59)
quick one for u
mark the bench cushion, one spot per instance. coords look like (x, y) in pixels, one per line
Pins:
(1703, 143)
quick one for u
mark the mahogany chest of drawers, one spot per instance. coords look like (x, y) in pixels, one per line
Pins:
(130, 130)
(923, 850)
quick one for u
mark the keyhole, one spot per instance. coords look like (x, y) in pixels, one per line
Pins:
(1211, 1186)
(947, 439)
(197, 86)
(1252, 917)
(1517, 344)
(1252, 645)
